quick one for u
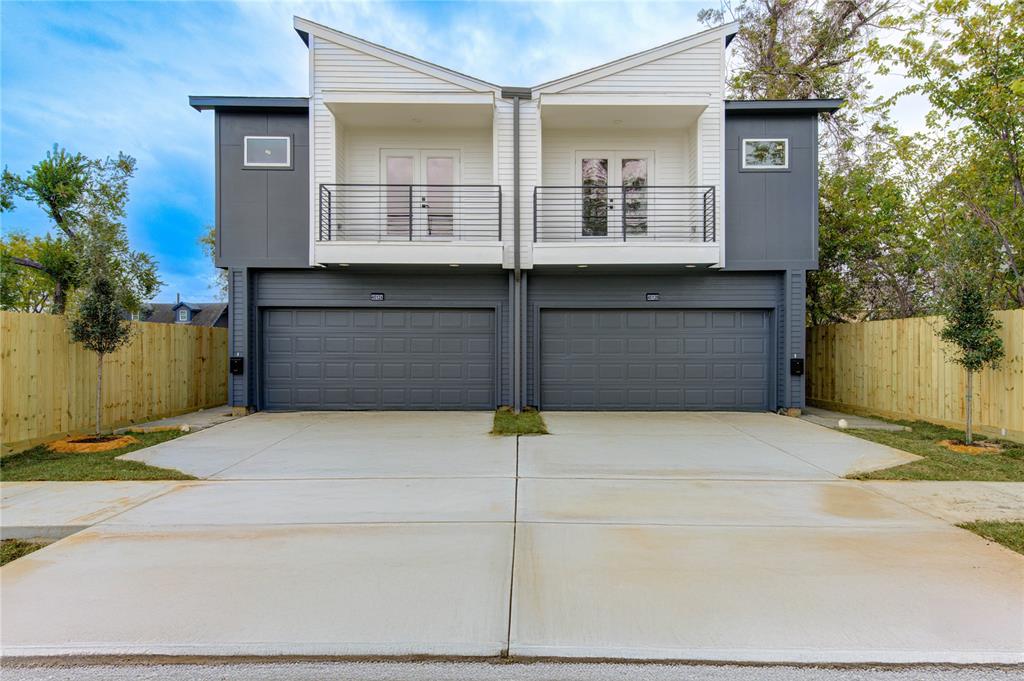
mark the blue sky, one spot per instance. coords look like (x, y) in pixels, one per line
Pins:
(99, 78)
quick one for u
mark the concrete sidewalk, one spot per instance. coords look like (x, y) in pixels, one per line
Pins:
(195, 420)
(52, 510)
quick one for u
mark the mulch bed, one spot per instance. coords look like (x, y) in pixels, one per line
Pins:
(90, 444)
(975, 448)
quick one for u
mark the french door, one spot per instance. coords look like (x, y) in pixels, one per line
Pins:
(420, 186)
(614, 198)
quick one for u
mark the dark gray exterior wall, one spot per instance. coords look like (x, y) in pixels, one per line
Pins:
(262, 214)
(716, 289)
(771, 216)
(266, 288)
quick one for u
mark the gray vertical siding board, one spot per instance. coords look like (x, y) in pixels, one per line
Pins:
(771, 216)
(796, 312)
(753, 290)
(338, 288)
(262, 215)
(238, 335)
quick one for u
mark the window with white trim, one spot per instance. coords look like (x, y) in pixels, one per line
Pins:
(136, 316)
(183, 314)
(765, 154)
(267, 152)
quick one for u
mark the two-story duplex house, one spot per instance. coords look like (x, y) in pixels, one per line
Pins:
(410, 237)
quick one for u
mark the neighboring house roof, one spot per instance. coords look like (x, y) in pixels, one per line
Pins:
(305, 28)
(203, 314)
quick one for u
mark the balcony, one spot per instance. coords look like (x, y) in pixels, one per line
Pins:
(417, 212)
(409, 224)
(599, 224)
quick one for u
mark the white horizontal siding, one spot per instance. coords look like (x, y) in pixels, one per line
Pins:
(363, 145)
(671, 152)
(691, 157)
(711, 168)
(529, 171)
(694, 71)
(340, 68)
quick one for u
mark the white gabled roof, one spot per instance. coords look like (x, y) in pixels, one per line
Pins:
(637, 59)
(305, 28)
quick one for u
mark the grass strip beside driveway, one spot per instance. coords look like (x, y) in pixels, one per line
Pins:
(939, 463)
(1009, 534)
(12, 549)
(527, 422)
(39, 463)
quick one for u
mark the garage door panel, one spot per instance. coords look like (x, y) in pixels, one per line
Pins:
(379, 359)
(654, 359)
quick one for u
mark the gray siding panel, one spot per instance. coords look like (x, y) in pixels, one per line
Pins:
(796, 335)
(262, 215)
(238, 336)
(406, 289)
(771, 217)
(711, 290)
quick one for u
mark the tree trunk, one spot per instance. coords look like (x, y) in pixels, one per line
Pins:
(59, 299)
(970, 408)
(99, 392)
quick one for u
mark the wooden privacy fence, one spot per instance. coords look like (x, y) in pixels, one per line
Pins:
(49, 382)
(901, 368)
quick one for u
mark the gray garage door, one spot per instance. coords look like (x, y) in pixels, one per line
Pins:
(654, 359)
(348, 358)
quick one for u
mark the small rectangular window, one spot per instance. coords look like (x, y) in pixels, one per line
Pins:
(268, 152)
(765, 154)
(183, 314)
(136, 316)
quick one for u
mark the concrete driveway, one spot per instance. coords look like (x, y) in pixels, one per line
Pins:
(699, 536)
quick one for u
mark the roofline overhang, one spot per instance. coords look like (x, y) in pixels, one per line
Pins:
(783, 105)
(206, 103)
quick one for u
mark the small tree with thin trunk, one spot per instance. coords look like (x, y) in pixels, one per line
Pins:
(98, 323)
(973, 330)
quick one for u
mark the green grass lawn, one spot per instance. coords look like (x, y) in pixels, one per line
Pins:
(39, 463)
(11, 549)
(527, 422)
(1009, 534)
(940, 463)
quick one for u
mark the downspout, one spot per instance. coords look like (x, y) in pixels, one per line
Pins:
(516, 95)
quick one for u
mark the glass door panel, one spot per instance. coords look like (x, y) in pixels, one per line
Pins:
(440, 198)
(399, 176)
(634, 195)
(595, 208)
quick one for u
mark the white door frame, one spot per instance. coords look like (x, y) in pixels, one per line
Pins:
(615, 158)
(420, 205)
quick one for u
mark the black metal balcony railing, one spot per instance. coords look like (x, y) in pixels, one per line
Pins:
(626, 213)
(403, 212)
